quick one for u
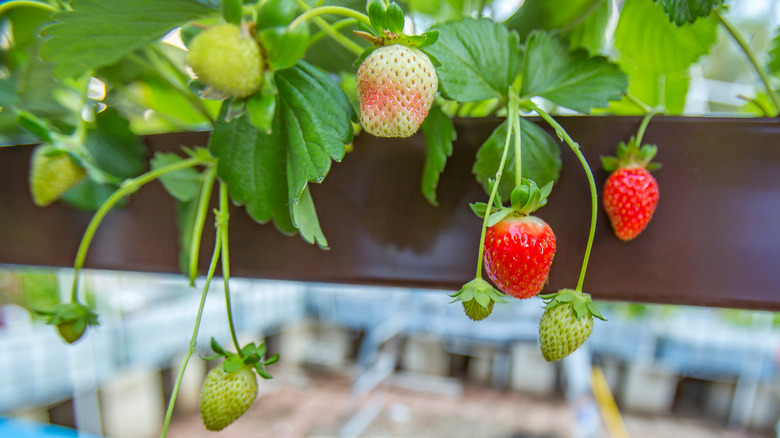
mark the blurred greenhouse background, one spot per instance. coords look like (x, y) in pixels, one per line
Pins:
(715, 368)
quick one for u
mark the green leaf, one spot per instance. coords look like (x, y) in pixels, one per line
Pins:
(480, 59)
(261, 109)
(89, 195)
(667, 91)
(98, 32)
(305, 220)
(114, 147)
(284, 47)
(541, 158)
(774, 55)
(687, 11)
(316, 124)
(591, 33)
(548, 15)
(649, 44)
(439, 133)
(252, 163)
(268, 172)
(571, 79)
(184, 184)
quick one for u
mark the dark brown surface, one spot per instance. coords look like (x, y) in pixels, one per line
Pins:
(715, 239)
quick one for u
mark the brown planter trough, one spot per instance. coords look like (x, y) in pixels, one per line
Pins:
(714, 241)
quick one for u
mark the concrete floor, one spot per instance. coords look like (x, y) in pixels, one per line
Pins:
(299, 405)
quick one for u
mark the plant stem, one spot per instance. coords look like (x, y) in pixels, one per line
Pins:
(751, 57)
(332, 31)
(335, 10)
(335, 26)
(128, 187)
(518, 151)
(645, 107)
(223, 217)
(200, 220)
(643, 127)
(593, 196)
(513, 114)
(5, 7)
(194, 339)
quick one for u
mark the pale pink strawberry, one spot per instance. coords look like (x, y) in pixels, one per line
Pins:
(396, 87)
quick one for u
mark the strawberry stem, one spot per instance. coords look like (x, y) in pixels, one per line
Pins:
(331, 31)
(518, 151)
(514, 105)
(743, 44)
(128, 187)
(193, 340)
(200, 220)
(223, 216)
(326, 10)
(643, 127)
(593, 196)
(25, 3)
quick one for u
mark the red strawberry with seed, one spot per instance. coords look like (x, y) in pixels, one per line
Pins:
(519, 251)
(396, 87)
(630, 193)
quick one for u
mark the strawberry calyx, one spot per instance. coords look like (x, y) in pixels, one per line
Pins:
(631, 155)
(71, 320)
(250, 354)
(478, 297)
(386, 29)
(525, 199)
(581, 303)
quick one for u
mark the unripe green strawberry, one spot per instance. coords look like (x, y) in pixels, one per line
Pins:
(228, 59)
(226, 396)
(52, 173)
(396, 87)
(566, 323)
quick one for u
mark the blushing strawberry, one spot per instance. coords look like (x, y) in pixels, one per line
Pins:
(227, 396)
(227, 58)
(519, 251)
(566, 324)
(630, 192)
(396, 87)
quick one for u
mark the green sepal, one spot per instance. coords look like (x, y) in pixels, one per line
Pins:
(232, 10)
(498, 216)
(363, 28)
(478, 297)
(581, 303)
(631, 155)
(262, 372)
(528, 197)
(284, 47)
(248, 349)
(217, 348)
(394, 18)
(71, 320)
(275, 13)
(480, 208)
(271, 360)
(212, 357)
(233, 363)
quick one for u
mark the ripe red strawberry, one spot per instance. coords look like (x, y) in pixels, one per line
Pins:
(396, 87)
(630, 193)
(566, 323)
(518, 254)
(227, 58)
(227, 396)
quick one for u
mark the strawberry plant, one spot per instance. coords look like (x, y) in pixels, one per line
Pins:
(284, 86)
